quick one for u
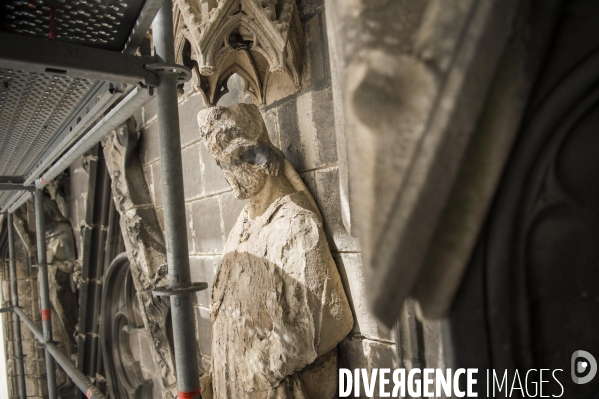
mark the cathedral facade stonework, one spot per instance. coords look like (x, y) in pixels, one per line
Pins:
(277, 296)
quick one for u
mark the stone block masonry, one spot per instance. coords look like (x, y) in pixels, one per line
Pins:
(35, 367)
(302, 126)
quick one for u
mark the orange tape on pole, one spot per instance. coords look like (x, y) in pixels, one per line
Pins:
(190, 395)
(46, 314)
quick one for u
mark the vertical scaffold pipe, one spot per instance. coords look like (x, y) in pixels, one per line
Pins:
(40, 230)
(14, 292)
(184, 335)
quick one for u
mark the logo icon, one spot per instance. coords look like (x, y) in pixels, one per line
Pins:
(583, 363)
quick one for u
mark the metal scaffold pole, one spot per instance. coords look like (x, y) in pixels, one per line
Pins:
(44, 290)
(15, 302)
(184, 334)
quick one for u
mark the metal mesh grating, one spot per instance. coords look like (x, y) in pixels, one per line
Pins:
(95, 23)
(33, 106)
(5, 195)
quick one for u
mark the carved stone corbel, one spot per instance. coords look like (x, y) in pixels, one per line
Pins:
(257, 39)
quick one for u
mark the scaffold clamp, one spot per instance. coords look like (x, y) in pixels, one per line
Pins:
(167, 291)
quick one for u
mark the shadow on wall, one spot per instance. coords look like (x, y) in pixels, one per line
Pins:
(236, 92)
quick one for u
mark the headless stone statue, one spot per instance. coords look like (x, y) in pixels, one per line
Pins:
(278, 306)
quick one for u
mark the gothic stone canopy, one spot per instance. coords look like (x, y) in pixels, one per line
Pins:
(257, 39)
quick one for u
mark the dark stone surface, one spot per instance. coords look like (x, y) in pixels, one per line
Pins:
(308, 8)
(291, 143)
(324, 120)
(310, 181)
(160, 216)
(315, 66)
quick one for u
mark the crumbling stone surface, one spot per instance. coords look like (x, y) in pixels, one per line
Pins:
(277, 296)
(278, 274)
(144, 243)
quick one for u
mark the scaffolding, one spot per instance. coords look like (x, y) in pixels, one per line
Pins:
(61, 91)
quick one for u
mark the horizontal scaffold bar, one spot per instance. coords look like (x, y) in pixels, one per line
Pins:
(84, 383)
(19, 52)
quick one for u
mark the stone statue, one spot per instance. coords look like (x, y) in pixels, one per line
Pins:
(278, 306)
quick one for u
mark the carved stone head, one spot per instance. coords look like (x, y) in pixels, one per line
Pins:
(238, 140)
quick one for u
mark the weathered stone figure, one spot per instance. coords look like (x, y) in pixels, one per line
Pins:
(278, 305)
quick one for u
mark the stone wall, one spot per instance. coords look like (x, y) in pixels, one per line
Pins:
(72, 204)
(35, 364)
(302, 126)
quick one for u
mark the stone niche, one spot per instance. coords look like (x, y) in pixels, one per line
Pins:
(260, 40)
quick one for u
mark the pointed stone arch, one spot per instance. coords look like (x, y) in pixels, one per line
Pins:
(257, 39)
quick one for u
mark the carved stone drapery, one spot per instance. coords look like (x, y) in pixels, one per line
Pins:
(144, 242)
(254, 38)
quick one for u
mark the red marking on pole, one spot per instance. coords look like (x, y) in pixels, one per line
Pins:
(52, 34)
(190, 395)
(92, 391)
(43, 180)
(46, 314)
